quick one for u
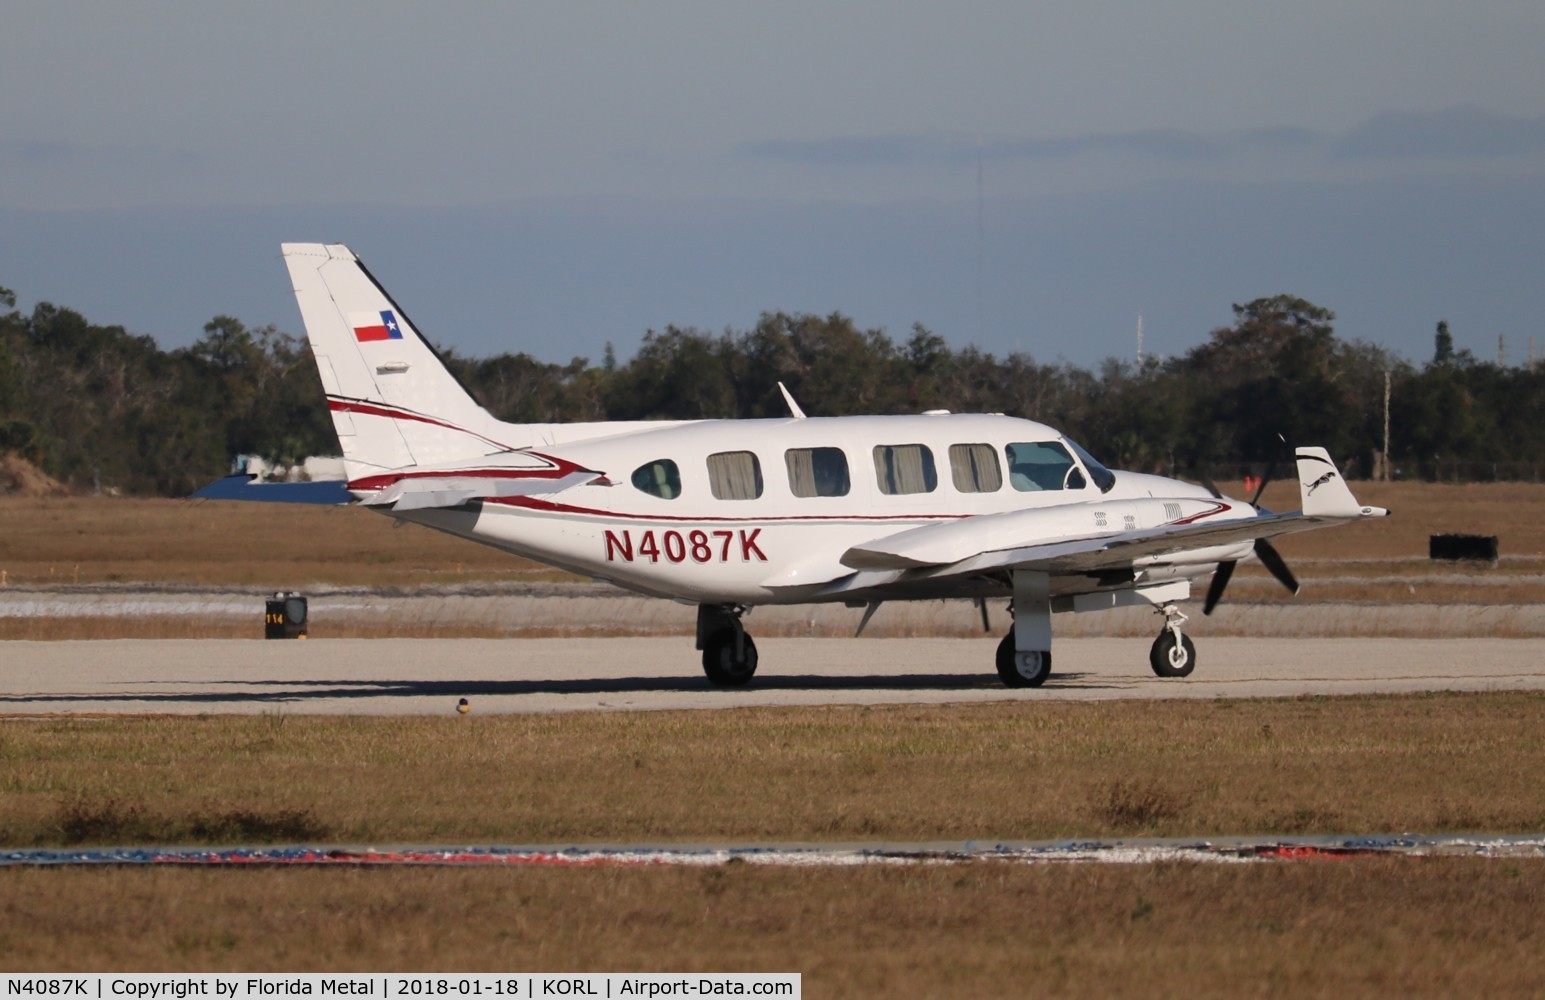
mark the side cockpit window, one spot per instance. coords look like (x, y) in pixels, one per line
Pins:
(1042, 465)
(1103, 477)
(659, 478)
(735, 475)
(817, 472)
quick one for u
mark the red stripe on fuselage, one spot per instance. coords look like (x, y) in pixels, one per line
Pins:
(558, 471)
(549, 506)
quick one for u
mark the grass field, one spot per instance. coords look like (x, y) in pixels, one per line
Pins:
(1316, 765)
(1374, 927)
(1019, 770)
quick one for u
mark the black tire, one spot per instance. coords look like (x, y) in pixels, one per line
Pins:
(721, 664)
(1015, 674)
(1169, 660)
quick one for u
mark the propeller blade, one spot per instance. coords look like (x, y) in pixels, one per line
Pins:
(1212, 488)
(1273, 562)
(1219, 583)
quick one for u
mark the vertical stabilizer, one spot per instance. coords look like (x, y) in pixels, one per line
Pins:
(393, 401)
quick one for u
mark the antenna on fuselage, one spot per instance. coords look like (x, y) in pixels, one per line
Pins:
(788, 398)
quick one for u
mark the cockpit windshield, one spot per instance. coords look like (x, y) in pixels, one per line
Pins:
(1103, 477)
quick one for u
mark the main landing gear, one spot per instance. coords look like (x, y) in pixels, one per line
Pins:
(729, 654)
(1172, 654)
(1022, 668)
(1024, 655)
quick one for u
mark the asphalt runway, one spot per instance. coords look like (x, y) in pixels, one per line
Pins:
(497, 676)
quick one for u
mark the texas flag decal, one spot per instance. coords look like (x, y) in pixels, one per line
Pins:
(375, 326)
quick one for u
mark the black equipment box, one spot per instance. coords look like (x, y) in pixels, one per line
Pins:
(286, 617)
(1462, 547)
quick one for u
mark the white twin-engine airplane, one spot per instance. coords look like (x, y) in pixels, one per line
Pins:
(730, 514)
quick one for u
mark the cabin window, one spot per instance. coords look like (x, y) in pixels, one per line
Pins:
(659, 478)
(975, 468)
(1042, 465)
(817, 472)
(735, 475)
(904, 468)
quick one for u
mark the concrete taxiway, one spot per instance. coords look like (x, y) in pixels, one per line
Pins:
(429, 676)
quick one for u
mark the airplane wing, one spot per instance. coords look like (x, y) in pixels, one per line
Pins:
(957, 549)
(1087, 555)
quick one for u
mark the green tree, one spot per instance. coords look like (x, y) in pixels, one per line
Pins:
(680, 374)
(1443, 349)
(1277, 373)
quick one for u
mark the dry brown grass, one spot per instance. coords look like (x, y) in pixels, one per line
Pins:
(1020, 770)
(1511, 511)
(1374, 927)
(92, 540)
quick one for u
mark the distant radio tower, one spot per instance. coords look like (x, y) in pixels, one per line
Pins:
(981, 240)
(1139, 340)
(1501, 351)
(1383, 458)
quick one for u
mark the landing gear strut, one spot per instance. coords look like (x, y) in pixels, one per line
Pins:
(1173, 654)
(729, 654)
(1024, 655)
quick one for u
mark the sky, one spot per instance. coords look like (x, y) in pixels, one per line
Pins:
(554, 177)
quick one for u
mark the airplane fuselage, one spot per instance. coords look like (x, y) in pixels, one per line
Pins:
(763, 511)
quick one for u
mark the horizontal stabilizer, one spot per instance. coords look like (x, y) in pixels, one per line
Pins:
(243, 487)
(420, 492)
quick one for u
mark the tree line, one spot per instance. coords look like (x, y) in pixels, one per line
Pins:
(100, 408)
